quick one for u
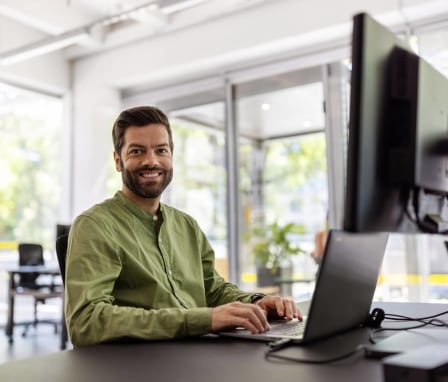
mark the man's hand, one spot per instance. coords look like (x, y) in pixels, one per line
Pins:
(253, 317)
(237, 314)
(279, 307)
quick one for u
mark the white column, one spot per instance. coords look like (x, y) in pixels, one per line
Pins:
(95, 107)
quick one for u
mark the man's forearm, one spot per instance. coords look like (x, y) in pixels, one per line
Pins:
(103, 322)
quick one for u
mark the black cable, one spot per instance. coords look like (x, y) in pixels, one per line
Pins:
(399, 317)
(423, 321)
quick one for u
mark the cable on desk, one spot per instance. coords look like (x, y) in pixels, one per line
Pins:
(270, 353)
(399, 317)
(423, 321)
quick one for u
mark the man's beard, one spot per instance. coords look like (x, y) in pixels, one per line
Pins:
(132, 181)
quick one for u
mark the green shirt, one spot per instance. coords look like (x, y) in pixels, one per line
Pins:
(123, 280)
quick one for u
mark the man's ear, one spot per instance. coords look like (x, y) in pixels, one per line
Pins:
(117, 161)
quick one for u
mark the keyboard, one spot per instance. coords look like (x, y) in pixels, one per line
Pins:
(291, 328)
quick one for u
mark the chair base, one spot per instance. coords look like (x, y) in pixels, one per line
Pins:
(34, 323)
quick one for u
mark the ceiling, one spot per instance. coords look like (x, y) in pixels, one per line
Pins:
(87, 26)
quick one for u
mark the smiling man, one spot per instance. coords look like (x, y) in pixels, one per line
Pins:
(137, 268)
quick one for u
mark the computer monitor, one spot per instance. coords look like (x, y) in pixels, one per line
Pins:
(397, 158)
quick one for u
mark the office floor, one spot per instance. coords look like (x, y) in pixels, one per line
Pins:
(39, 340)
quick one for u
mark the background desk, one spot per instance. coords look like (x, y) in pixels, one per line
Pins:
(206, 359)
(12, 293)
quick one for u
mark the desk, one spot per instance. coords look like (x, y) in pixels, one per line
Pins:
(209, 358)
(12, 293)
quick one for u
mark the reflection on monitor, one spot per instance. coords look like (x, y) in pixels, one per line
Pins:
(397, 168)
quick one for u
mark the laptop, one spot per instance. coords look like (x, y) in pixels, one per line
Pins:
(343, 294)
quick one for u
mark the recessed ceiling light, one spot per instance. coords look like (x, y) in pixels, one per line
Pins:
(265, 106)
(413, 42)
(307, 124)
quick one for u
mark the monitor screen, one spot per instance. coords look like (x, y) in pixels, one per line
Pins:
(397, 162)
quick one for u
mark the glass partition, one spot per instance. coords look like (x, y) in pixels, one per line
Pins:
(200, 176)
(283, 172)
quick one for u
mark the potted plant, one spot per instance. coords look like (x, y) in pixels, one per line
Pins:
(273, 251)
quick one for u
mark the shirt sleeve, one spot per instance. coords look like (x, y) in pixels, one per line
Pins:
(93, 266)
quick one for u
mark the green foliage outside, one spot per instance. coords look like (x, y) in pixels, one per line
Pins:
(273, 247)
(30, 166)
(293, 178)
(292, 164)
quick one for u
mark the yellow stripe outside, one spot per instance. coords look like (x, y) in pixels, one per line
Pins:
(8, 245)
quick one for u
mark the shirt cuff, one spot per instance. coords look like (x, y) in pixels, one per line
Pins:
(198, 321)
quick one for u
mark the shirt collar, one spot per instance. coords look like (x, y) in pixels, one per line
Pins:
(135, 209)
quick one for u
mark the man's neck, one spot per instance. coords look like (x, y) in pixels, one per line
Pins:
(149, 204)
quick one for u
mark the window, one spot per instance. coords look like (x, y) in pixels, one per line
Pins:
(30, 132)
(283, 168)
(30, 185)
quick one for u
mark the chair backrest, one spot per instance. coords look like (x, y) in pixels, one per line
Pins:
(30, 254)
(62, 229)
(61, 253)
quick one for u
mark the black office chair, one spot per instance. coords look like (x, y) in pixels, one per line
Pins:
(61, 253)
(31, 254)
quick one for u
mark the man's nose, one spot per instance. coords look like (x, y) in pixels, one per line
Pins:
(150, 159)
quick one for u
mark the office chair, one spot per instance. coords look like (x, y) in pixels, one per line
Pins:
(62, 229)
(61, 253)
(31, 254)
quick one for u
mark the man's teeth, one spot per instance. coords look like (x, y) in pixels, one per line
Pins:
(150, 175)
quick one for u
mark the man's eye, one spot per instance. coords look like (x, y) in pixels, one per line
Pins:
(134, 152)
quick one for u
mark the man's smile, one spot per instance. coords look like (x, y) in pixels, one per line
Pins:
(150, 174)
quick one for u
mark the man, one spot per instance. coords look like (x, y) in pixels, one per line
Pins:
(140, 269)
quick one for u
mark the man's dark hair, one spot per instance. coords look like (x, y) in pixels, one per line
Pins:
(138, 116)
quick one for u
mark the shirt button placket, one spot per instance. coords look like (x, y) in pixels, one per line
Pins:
(170, 273)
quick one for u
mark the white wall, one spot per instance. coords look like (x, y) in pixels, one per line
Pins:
(96, 106)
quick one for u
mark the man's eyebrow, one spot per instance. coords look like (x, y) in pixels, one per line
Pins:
(134, 145)
(140, 146)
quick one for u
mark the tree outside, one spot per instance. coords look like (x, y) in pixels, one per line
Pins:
(30, 163)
